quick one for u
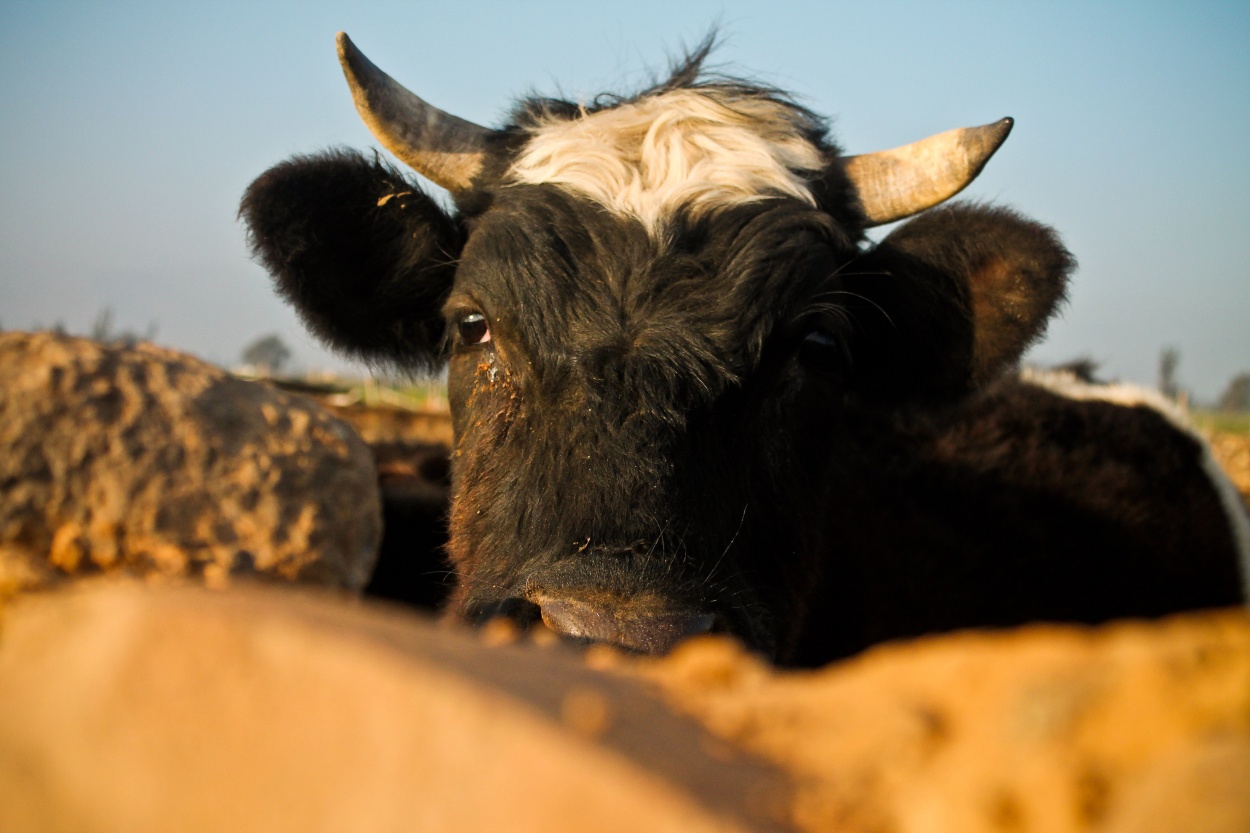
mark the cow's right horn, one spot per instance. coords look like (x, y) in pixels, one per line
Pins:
(897, 183)
(447, 150)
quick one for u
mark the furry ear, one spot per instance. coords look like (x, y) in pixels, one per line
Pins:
(363, 254)
(951, 300)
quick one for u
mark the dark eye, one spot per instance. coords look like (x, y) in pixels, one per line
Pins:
(822, 350)
(473, 329)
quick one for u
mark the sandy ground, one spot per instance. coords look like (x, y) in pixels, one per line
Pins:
(1233, 453)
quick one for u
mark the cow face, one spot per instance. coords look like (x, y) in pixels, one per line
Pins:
(626, 411)
(660, 324)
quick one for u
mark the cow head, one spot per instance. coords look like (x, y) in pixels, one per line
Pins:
(662, 325)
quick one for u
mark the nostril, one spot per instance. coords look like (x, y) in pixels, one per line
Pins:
(521, 612)
(573, 619)
(698, 624)
(707, 623)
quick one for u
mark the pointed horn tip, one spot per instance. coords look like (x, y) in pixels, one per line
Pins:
(991, 136)
(985, 140)
(346, 49)
(357, 68)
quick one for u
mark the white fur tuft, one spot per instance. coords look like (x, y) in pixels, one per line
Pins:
(1068, 385)
(693, 149)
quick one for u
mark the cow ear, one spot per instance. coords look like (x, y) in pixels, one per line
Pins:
(951, 300)
(362, 253)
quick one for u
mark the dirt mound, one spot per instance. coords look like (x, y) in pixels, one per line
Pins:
(151, 462)
(1135, 726)
(125, 708)
(160, 709)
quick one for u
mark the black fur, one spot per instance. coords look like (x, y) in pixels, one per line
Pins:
(753, 414)
(624, 368)
(412, 565)
(1018, 506)
(950, 300)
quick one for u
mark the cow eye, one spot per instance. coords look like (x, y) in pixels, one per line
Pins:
(473, 329)
(822, 350)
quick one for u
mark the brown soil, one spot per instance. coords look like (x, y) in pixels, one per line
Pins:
(390, 424)
(1232, 451)
(1136, 726)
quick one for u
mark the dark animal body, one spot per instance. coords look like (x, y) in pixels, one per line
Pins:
(688, 394)
(413, 480)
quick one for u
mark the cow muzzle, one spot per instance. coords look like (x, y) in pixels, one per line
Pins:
(643, 624)
(638, 625)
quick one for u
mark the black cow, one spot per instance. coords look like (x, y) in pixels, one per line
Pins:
(688, 395)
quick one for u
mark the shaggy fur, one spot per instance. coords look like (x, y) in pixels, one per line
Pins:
(362, 252)
(682, 382)
(695, 150)
(951, 300)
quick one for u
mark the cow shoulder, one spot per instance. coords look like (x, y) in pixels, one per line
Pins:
(1171, 448)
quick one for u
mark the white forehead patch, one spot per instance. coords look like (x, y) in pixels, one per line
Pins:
(693, 149)
(1066, 384)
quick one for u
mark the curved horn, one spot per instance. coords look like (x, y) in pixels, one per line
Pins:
(893, 184)
(445, 149)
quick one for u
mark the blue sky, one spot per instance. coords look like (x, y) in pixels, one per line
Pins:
(130, 129)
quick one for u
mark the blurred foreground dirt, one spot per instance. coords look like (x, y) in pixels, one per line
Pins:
(1232, 451)
(1134, 726)
(128, 707)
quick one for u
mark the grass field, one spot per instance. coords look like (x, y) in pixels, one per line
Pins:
(1225, 422)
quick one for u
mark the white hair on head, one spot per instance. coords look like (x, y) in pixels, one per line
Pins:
(695, 149)
(1066, 384)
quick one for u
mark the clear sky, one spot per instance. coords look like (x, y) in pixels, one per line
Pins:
(128, 131)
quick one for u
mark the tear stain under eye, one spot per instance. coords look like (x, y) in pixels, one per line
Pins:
(489, 369)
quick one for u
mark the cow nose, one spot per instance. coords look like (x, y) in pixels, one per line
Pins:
(638, 626)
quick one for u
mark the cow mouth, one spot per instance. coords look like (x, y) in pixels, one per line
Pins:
(642, 624)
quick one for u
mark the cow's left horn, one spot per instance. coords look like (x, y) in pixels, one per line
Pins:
(444, 148)
(893, 184)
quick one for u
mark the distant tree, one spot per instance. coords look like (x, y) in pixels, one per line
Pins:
(1236, 397)
(268, 354)
(102, 330)
(1169, 360)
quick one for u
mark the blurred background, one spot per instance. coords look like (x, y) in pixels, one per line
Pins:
(130, 129)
